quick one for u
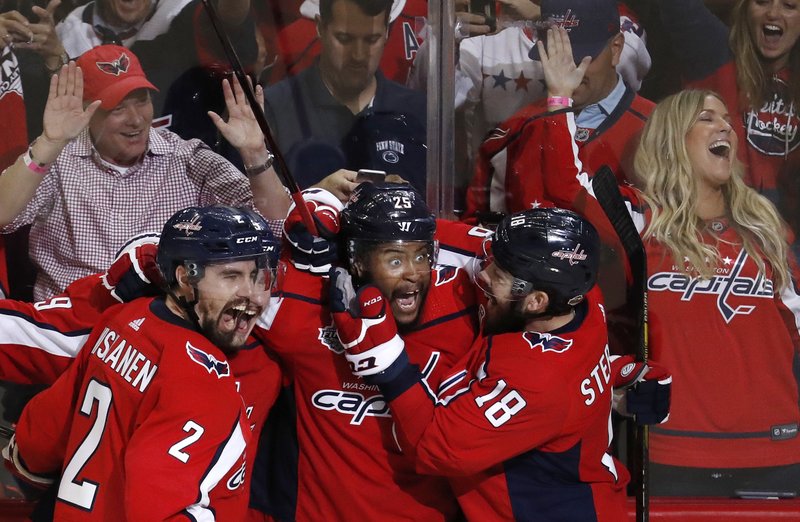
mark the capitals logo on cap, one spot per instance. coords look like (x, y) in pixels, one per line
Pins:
(117, 67)
(568, 20)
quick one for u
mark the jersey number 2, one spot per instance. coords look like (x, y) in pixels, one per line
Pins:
(82, 493)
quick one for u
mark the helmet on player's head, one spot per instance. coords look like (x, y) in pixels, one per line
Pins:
(548, 249)
(197, 236)
(386, 212)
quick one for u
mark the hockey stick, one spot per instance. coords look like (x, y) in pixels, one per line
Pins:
(280, 163)
(606, 191)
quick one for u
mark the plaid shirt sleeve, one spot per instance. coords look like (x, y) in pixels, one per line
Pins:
(41, 203)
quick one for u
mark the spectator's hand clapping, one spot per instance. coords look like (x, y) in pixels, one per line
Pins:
(14, 28)
(561, 74)
(42, 37)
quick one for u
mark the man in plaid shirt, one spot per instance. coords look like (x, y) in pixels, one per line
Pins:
(100, 174)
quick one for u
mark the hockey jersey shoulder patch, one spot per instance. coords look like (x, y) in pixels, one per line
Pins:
(208, 361)
(547, 342)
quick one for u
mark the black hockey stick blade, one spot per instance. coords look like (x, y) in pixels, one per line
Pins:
(606, 190)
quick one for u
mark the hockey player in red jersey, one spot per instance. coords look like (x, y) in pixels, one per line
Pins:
(522, 428)
(147, 423)
(345, 464)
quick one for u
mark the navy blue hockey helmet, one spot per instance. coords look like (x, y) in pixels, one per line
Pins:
(198, 236)
(549, 249)
(386, 212)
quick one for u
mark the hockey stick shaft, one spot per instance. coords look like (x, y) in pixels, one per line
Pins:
(280, 163)
(606, 191)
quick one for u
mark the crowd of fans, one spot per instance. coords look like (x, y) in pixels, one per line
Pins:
(117, 114)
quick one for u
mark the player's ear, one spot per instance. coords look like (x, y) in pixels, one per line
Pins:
(182, 277)
(357, 269)
(536, 302)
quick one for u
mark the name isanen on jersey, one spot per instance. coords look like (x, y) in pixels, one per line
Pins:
(115, 351)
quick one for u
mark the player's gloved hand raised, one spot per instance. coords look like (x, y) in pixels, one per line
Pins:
(310, 253)
(135, 273)
(365, 325)
(641, 390)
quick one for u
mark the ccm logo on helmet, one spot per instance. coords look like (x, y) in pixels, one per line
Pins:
(249, 239)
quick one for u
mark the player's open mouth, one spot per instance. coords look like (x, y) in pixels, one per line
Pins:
(239, 317)
(720, 148)
(406, 301)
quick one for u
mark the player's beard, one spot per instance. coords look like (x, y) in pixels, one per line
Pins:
(505, 318)
(228, 341)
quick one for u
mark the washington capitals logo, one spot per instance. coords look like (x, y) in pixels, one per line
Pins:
(573, 256)
(498, 133)
(445, 274)
(189, 227)
(547, 342)
(117, 67)
(568, 20)
(208, 361)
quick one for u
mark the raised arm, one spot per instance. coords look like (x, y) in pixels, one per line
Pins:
(64, 118)
(242, 131)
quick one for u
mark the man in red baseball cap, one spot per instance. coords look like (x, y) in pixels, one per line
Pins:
(99, 173)
(110, 73)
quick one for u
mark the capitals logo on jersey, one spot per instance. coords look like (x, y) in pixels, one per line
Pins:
(208, 361)
(445, 274)
(772, 130)
(547, 342)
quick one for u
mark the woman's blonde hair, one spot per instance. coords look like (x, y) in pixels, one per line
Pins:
(662, 164)
(751, 74)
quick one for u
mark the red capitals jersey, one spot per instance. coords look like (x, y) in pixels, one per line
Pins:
(38, 342)
(299, 44)
(145, 425)
(713, 335)
(514, 158)
(730, 344)
(348, 465)
(522, 425)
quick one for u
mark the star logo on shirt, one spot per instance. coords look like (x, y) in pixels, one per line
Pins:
(500, 80)
(522, 82)
(727, 260)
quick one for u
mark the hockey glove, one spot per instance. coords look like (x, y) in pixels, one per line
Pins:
(309, 253)
(364, 324)
(134, 273)
(641, 391)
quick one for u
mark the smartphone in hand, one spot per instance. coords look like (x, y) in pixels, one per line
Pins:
(373, 176)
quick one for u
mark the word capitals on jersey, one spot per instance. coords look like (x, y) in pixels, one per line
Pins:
(726, 285)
